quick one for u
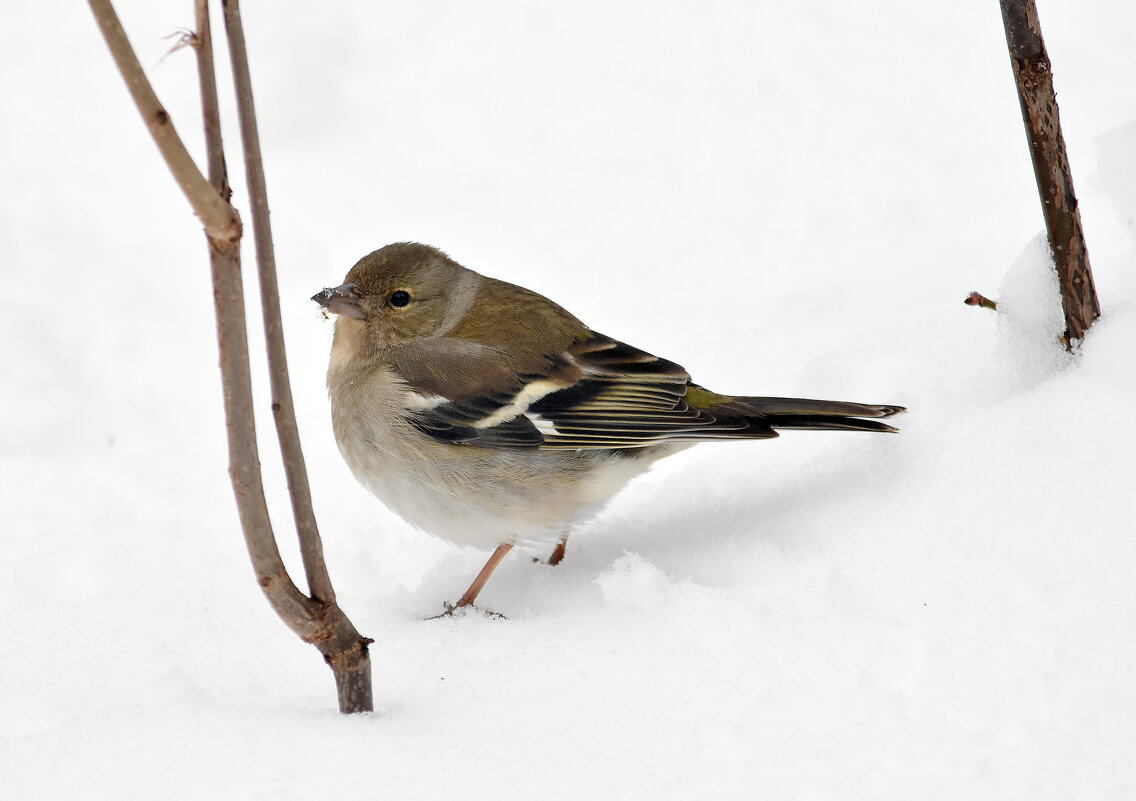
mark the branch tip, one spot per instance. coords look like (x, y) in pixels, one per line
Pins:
(975, 299)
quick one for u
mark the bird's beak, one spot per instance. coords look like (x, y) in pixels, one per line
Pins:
(342, 300)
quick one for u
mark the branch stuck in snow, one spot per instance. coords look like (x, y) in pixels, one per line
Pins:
(318, 619)
(1033, 74)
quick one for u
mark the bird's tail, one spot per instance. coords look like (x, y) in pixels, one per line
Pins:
(819, 415)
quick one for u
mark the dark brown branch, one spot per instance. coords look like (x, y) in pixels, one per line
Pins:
(1033, 75)
(311, 548)
(221, 221)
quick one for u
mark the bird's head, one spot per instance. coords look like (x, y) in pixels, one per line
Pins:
(402, 292)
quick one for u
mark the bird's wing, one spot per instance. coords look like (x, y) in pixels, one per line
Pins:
(627, 398)
(599, 393)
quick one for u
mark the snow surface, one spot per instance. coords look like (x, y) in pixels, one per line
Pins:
(788, 198)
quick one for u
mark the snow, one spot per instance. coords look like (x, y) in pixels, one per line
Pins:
(1030, 306)
(784, 198)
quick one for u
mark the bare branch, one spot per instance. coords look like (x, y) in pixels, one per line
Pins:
(311, 548)
(232, 337)
(224, 249)
(210, 108)
(320, 622)
(221, 221)
(1033, 75)
(344, 649)
(297, 611)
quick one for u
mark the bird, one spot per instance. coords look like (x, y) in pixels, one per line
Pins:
(487, 415)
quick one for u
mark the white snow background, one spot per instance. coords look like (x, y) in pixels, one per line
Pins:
(787, 198)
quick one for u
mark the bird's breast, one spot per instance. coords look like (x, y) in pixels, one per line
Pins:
(462, 493)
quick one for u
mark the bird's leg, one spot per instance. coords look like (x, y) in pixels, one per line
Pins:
(558, 554)
(482, 577)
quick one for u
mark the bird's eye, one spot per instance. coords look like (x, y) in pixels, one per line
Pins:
(399, 298)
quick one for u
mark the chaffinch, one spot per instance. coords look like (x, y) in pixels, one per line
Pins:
(486, 414)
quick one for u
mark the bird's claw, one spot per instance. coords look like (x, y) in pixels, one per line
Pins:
(454, 610)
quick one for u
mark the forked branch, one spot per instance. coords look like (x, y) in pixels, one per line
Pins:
(221, 221)
(283, 411)
(317, 620)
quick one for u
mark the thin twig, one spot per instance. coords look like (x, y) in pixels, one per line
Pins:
(975, 299)
(283, 411)
(221, 221)
(210, 107)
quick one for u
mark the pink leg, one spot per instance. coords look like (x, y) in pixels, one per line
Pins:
(482, 577)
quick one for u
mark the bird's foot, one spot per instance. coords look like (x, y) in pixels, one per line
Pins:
(464, 610)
